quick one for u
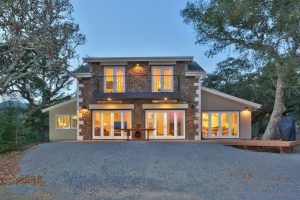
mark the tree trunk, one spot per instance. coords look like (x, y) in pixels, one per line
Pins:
(270, 132)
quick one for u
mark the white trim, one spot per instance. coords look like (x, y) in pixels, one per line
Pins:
(165, 113)
(162, 77)
(71, 123)
(83, 75)
(165, 106)
(137, 59)
(196, 74)
(114, 63)
(233, 98)
(111, 106)
(114, 68)
(58, 105)
(219, 134)
(111, 136)
(79, 115)
(162, 63)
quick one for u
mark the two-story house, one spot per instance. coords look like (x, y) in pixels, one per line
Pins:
(147, 97)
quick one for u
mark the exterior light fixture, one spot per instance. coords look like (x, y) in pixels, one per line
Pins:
(108, 99)
(246, 109)
(165, 98)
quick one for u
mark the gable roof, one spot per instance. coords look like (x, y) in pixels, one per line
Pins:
(195, 67)
(82, 69)
(233, 98)
(58, 105)
(138, 59)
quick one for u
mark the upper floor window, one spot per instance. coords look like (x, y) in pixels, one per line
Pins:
(162, 79)
(114, 79)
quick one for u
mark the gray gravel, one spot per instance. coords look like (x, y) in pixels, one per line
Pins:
(160, 170)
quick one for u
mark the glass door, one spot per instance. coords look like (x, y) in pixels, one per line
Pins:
(114, 79)
(167, 124)
(110, 124)
(162, 79)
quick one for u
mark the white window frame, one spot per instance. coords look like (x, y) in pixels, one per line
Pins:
(112, 136)
(219, 124)
(71, 121)
(165, 136)
(162, 77)
(63, 115)
(114, 68)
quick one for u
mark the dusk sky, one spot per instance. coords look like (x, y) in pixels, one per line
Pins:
(137, 28)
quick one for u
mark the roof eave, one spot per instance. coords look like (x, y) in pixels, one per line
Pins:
(137, 59)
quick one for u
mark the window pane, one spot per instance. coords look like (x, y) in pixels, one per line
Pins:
(97, 121)
(150, 122)
(66, 121)
(127, 121)
(117, 123)
(167, 79)
(214, 124)
(74, 121)
(120, 80)
(59, 122)
(106, 124)
(109, 80)
(156, 80)
(205, 124)
(224, 124)
(179, 124)
(234, 125)
(160, 124)
(170, 124)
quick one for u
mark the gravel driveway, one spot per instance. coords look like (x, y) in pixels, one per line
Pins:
(157, 170)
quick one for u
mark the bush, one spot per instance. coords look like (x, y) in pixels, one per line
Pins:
(13, 129)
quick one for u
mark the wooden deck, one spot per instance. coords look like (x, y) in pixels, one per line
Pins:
(283, 146)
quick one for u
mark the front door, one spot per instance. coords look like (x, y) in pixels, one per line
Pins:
(108, 124)
(167, 124)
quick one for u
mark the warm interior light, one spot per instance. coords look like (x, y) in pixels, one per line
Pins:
(109, 99)
(165, 98)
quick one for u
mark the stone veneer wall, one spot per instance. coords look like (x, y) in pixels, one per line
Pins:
(88, 85)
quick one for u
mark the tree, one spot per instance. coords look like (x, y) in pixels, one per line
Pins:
(35, 36)
(265, 32)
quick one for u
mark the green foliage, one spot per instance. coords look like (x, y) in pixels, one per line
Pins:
(240, 78)
(14, 131)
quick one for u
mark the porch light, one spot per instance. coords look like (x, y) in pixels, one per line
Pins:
(246, 109)
(108, 99)
(165, 98)
(138, 69)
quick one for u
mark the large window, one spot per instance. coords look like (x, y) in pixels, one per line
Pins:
(111, 124)
(167, 124)
(162, 79)
(114, 79)
(220, 124)
(66, 121)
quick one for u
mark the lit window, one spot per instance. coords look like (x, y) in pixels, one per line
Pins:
(62, 121)
(162, 79)
(114, 79)
(220, 124)
(74, 121)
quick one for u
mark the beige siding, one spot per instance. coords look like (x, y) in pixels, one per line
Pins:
(212, 102)
(61, 134)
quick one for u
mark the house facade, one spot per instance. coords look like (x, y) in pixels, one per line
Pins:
(158, 97)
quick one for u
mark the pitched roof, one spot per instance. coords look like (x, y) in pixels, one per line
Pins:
(233, 98)
(138, 59)
(195, 67)
(82, 69)
(58, 105)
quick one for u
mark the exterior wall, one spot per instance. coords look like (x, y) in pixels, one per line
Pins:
(61, 134)
(85, 98)
(211, 102)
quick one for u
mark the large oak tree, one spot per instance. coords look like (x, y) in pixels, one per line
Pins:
(266, 32)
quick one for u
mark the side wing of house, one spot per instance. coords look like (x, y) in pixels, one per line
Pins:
(225, 116)
(62, 121)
